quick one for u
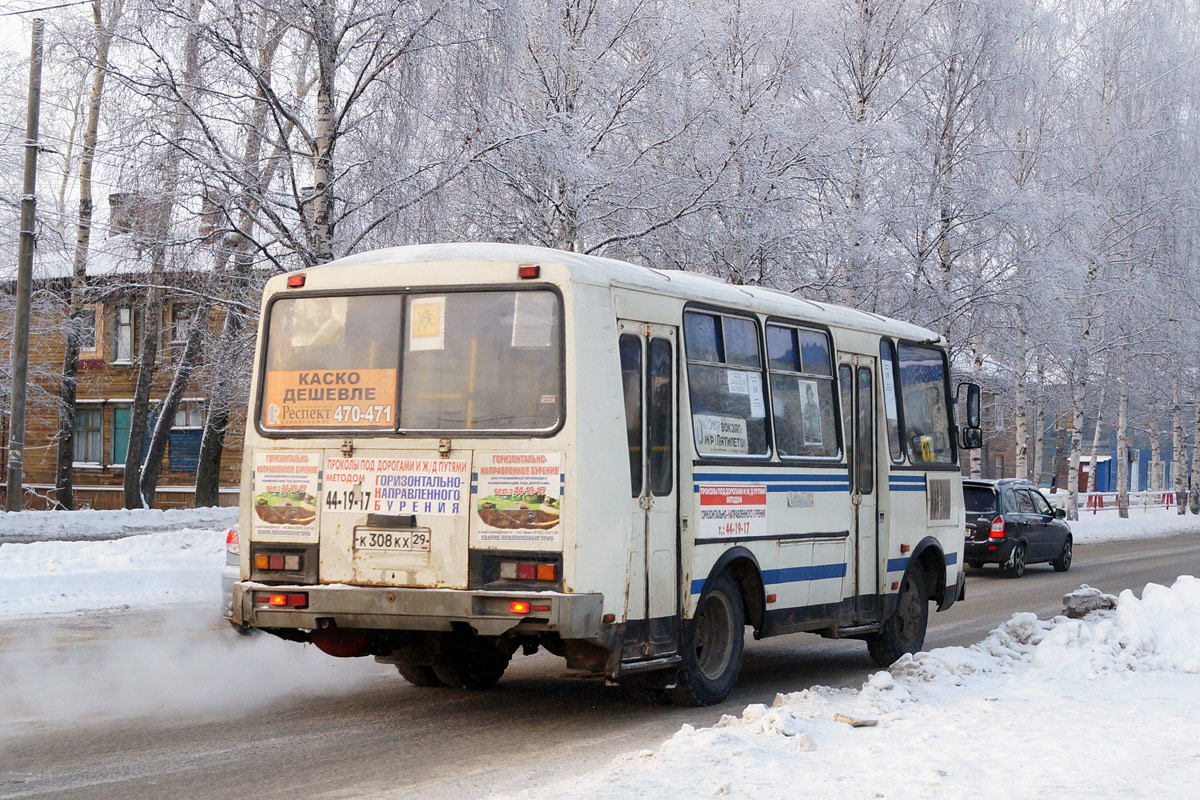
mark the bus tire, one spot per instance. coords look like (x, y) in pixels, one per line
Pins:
(904, 631)
(713, 641)
(471, 669)
(418, 675)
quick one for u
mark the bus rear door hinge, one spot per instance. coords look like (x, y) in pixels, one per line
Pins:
(444, 448)
(348, 448)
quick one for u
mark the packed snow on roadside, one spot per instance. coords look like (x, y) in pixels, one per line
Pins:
(1107, 526)
(91, 524)
(1107, 706)
(154, 569)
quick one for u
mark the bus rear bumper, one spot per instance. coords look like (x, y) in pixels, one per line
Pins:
(572, 616)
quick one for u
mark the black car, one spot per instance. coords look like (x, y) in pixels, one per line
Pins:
(1010, 523)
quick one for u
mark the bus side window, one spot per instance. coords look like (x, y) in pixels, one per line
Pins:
(864, 438)
(726, 384)
(631, 380)
(660, 434)
(846, 380)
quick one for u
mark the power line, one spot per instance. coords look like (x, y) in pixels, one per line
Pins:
(45, 8)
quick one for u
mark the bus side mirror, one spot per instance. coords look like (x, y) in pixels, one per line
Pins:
(971, 435)
(970, 438)
(972, 403)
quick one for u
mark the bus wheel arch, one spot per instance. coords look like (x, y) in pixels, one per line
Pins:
(931, 560)
(741, 564)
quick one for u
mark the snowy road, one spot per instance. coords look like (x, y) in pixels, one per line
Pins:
(321, 728)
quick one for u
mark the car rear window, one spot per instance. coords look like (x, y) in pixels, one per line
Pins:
(979, 500)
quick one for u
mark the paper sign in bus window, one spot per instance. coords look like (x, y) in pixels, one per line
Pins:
(758, 408)
(533, 319)
(721, 435)
(810, 413)
(427, 323)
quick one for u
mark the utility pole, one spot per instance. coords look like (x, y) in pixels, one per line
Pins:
(20, 344)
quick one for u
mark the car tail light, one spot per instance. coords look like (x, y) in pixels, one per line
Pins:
(231, 542)
(997, 531)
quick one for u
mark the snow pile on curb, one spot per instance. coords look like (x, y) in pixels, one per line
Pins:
(1105, 707)
(90, 524)
(1107, 526)
(181, 566)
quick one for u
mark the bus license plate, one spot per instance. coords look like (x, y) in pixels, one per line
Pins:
(392, 540)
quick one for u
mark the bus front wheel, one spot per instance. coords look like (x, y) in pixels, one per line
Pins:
(904, 632)
(712, 646)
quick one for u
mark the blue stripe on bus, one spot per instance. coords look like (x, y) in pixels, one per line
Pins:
(906, 488)
(774, 577)
(911, 478)
(899, 564)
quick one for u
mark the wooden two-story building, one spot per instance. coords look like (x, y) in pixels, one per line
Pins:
(110, 335)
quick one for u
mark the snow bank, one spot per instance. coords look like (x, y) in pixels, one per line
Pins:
(1107, 526)
(182, 566)
(1106, 707)
(89, 524)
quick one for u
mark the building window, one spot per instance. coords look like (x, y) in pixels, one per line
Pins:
(86, 327)
(189, 415)
(120, 434)
(123, 341)
(88, 422)
(180, 323)
(186, 432)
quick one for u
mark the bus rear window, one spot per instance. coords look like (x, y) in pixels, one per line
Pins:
(454, 361)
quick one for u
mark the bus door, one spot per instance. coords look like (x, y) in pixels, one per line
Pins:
(648, 370)
(856, 377)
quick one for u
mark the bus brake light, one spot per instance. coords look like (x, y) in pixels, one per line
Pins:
(518, 607)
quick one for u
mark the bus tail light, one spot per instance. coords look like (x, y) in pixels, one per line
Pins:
(528, 571)
(280, 600)
(278, 562)
(997, 531)
(518, 607)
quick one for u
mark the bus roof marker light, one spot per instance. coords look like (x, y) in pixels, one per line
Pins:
(295, 281)
(526, 271)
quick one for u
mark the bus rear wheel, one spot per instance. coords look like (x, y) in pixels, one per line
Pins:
(471, 669)
(712, 646)
(904, 632)
(418, 675)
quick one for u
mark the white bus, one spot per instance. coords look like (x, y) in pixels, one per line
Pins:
(458, 451)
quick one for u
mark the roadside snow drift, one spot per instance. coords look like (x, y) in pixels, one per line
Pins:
(154, 569)
(1102, 707)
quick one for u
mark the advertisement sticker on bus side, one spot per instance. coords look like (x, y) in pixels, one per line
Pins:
(518, 499)
(397, 486)
(343, 398)
(733, 511)
(286, 485)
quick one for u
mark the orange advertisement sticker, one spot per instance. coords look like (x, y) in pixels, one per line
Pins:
(330, 398)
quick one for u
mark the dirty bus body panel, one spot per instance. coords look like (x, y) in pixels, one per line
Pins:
(459, 451)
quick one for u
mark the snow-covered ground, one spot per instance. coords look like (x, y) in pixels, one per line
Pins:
(1103, 707)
